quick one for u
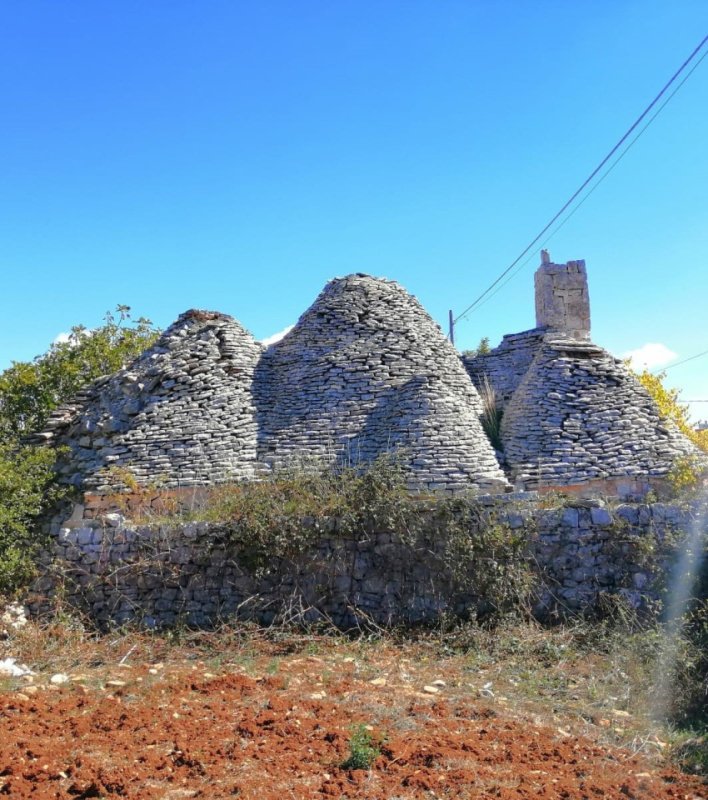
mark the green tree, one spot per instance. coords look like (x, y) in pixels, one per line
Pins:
(482, 349)
(29, 392)
(27, 488)
(670, 407)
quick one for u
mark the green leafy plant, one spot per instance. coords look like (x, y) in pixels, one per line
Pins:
(492, 412)
(481, 556)
(363, 749)
(671, 408)
(482, 349)
(27, 490)
(280, 517)
(474, 559)
(685, 475)
(29, 392)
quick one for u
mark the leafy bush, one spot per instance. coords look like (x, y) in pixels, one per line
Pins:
(671, 408)
(282, 515)
(29, 392)
(27, 490)
(363, 749)
(482, 349)
(467, 549)
(685, 475)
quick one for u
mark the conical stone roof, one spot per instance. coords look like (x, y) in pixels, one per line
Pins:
(579, 414)
(366, 371)
(181, 414)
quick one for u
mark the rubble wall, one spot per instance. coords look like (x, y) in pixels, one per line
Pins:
(163, 575)
(505, 366)
(182, 414)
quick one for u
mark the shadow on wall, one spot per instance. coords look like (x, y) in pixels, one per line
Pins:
(332, 428)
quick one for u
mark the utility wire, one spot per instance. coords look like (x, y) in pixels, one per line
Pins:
(586, 182)
(597, 184)
(686, 360)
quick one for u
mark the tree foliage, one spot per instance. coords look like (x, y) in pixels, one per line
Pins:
(482, 349)
(29, 392)
(27, 488)
(670, 407)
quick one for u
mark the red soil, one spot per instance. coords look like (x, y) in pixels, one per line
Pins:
(180, 731)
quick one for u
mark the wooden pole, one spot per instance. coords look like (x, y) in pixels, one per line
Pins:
(452, 327)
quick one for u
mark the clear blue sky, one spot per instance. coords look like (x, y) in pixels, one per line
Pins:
(236, 155)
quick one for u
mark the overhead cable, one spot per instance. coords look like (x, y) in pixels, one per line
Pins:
(597, 184)
(592, 175)
(686, 360)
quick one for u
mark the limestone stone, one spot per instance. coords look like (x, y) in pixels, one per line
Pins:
(574, 397)
(562, 298)
(364, 372)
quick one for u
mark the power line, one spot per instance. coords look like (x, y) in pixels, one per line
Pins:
(585, 183)
(686, 360)
(597, 184)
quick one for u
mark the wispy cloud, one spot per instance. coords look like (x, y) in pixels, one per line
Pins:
(276, 337)
(61, 338)
(650, 355)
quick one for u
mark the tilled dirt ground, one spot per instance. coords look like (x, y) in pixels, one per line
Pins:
(282, 728)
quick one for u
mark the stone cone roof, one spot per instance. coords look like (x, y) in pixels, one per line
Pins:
(579, 414)
(181, 414)
(505, 366)
(366, 371)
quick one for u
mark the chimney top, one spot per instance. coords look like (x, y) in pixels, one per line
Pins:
(562, 300)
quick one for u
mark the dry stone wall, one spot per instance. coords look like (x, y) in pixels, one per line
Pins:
(505, 366)
(366, 371)
(162, 575)
(562, 298)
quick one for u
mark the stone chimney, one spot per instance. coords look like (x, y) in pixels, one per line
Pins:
(562, 299)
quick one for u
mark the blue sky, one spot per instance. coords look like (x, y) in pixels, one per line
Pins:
(236, 155)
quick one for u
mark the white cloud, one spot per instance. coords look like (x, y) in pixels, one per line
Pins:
(276, 337)
(63, 338)
(650, 355)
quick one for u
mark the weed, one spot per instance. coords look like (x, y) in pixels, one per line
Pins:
(689, 750)
(492, 412)
(363, 749)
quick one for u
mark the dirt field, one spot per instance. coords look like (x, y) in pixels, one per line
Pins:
(264, 720)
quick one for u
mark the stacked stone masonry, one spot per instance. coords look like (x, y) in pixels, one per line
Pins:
(505, 366)
(163, 575)
(580, 415)
(562, 298)
(364, 372)
(182, 414)
(572, 414)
